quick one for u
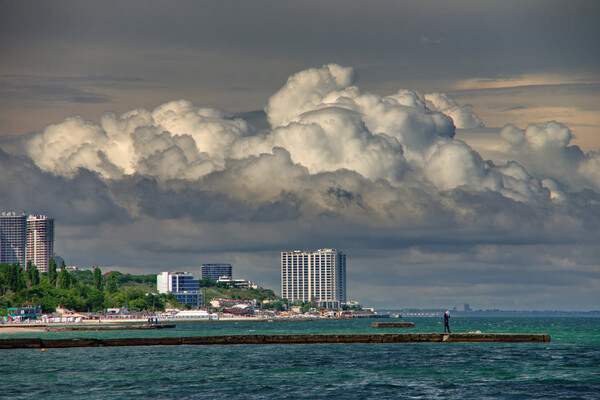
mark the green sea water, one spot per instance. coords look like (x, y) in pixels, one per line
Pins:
(566, 368)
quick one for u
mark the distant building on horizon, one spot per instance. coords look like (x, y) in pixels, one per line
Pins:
(216, 271)
(183, 285)
(318, 275)
(26, 238)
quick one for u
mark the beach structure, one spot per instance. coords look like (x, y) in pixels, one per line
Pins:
(183, 285)
(27, 311)
(216, 271)
(314, 275)
(187, 316)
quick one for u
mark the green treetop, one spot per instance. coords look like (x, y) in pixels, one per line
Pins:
(52, 274)
(97, 278)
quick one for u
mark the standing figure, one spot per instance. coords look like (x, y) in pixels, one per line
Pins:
(446, 322)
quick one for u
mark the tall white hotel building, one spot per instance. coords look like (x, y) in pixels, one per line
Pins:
(319, 275)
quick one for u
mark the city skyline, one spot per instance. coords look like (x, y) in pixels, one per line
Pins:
(450, 149)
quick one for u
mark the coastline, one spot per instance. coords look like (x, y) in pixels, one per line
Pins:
(11, 328)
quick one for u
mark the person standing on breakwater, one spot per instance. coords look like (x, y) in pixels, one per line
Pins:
(447, 322)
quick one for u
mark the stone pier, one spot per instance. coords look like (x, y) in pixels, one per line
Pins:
(393, 325)
(40, 343)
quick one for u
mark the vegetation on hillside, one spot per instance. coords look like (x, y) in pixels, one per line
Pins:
(91, 291)
(221, 290)
(84, 291)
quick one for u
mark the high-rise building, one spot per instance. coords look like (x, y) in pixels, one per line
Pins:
(216, 271)
(40, 241)
(183, 285)
(318, 275)
(13, 237)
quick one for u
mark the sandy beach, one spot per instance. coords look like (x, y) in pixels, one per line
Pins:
(20, 329)
(41, 326)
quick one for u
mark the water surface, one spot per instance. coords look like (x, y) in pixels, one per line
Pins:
(566, 368)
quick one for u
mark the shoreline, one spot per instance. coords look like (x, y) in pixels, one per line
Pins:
(141, 321)
(11, 328)
(21, 329)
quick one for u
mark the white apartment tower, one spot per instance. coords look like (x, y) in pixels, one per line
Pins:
(319, 275)
(26, 238)
(40, 241)
(13, 236)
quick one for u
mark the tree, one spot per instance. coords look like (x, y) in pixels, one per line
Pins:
(97, 278)
(16, 281)
(52, 274)
(29, 273)
(4, 278)
(274, 305)
(64, 279)
(111, 285)
(35, 276)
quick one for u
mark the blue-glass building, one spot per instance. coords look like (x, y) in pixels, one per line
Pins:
(183, 285)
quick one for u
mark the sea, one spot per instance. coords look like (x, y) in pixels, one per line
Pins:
(568, 367)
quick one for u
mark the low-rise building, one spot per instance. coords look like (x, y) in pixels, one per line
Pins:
(218, 303)
(241, 283)
(183, 285)
(216, 271)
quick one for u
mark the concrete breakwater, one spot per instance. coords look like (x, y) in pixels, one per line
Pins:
(63, 328)
(40, 343)
(393, 325)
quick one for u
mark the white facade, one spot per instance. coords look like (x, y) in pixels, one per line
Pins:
(319, 275)
(163, 282)
(176, 282)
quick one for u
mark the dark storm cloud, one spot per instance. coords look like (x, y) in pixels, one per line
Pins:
(198, 203)
(82, 200)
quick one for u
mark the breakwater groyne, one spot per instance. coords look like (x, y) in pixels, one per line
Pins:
(86, 328)
(40, 343)
(393, 325)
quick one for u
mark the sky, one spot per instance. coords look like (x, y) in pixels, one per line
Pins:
(450, 149)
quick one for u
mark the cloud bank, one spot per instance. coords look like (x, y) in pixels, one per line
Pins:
(336, 167)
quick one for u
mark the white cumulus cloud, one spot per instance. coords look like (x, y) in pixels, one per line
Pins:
(330, 148)
(546, 152)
